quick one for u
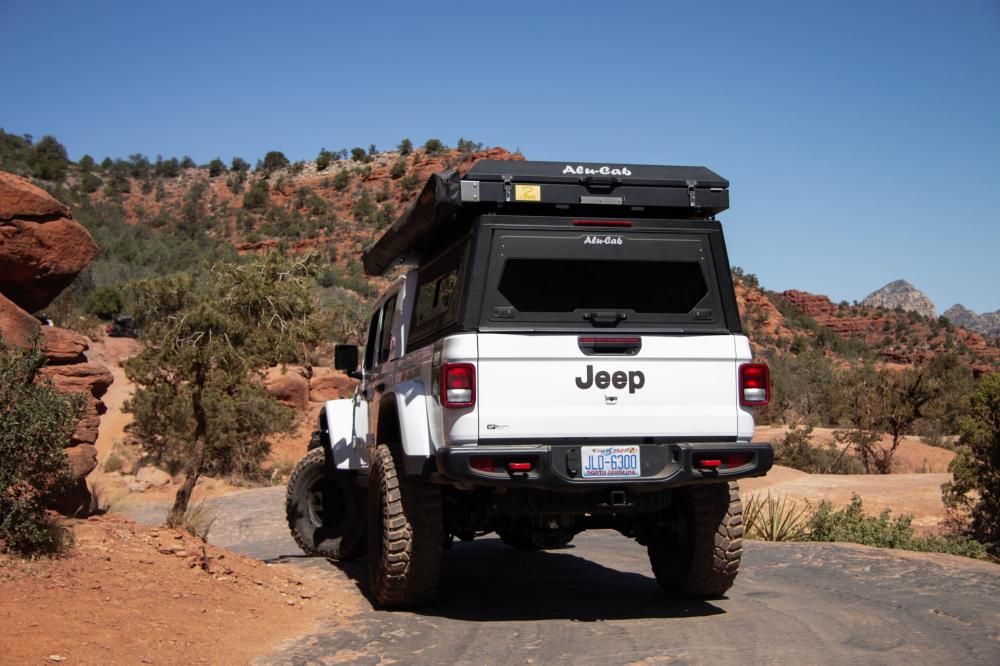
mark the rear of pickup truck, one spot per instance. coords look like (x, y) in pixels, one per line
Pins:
(605, 358)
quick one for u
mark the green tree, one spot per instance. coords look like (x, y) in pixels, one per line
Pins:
(358, 154)
(468, 147)
(405, 147)
(199, 405)
(187, 162)
(323, 159)
(48, 159)
(257, 196)
(363, 208)
(165, 168)
(105, 302)
(216, 168)
(398, 169)
(15, 153)
(239, 164)
(341, 179)
(434, 146)
(35, 425)
(876, 402)
(410, 182)
(275, 159)
(86, 163)
(90, 183)
(976, 469)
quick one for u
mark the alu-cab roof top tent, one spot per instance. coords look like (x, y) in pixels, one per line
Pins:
(450, 203)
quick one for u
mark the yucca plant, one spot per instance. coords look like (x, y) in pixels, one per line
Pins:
(775, 518)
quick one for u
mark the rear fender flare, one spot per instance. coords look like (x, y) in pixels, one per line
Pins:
(414, 435)
(343, 433)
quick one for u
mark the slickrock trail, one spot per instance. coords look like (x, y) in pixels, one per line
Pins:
(596, 602)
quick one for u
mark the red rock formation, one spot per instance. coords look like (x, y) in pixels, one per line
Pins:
(16, 325)
(41, 250)
(329, 384)
(289, 385)
(41, 247)
(62, 346)
(874, 326)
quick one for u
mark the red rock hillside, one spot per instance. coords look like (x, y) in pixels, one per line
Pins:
(776, 321)
(41, 250)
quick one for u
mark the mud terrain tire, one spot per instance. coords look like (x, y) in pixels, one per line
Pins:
(697, 554)
(524, 539)
(404, 534)
(324, 510)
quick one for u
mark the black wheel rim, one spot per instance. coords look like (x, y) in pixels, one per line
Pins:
(325, 505)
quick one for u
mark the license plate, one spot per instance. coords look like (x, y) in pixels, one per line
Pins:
(610, 462)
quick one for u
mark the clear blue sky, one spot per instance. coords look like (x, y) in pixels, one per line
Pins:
(862, 139)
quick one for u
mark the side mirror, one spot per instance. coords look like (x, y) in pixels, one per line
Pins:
(345, 358)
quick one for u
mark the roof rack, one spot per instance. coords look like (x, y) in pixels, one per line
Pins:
(450, 202)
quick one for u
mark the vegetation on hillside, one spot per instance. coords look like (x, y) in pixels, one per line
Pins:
(820, 378)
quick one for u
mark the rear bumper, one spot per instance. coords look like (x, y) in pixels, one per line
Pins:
(557, 466)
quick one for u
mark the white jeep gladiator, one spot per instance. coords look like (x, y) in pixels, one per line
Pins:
(562, 352)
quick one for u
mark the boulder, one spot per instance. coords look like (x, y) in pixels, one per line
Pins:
(153, 476)
(19, 198)
(62, 346)
(39, 259)
(288, 385)
(16, 325)
(82, 458)
(329, 384)
(41, 247)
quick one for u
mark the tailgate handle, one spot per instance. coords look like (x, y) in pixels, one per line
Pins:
(621, 346)
(597, 183)
(604, 318)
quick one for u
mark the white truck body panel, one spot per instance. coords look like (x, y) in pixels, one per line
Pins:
(544, 386)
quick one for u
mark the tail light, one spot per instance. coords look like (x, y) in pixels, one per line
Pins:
(755, 384)
(482, 463)
(716, 461)
(458, 385)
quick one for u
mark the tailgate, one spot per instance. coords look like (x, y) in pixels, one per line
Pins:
(546, 386)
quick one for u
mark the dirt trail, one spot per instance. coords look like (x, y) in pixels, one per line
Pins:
(912, 456)
(915, 494)
(112, 353)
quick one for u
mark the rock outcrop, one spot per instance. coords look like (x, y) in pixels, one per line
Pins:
(16, 325)
(901, 294)
(329, 384)
(41, 250)
(987, 324)
(289, 385)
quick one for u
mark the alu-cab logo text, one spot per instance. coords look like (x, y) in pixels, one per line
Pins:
(580, 170)
(603, 240)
